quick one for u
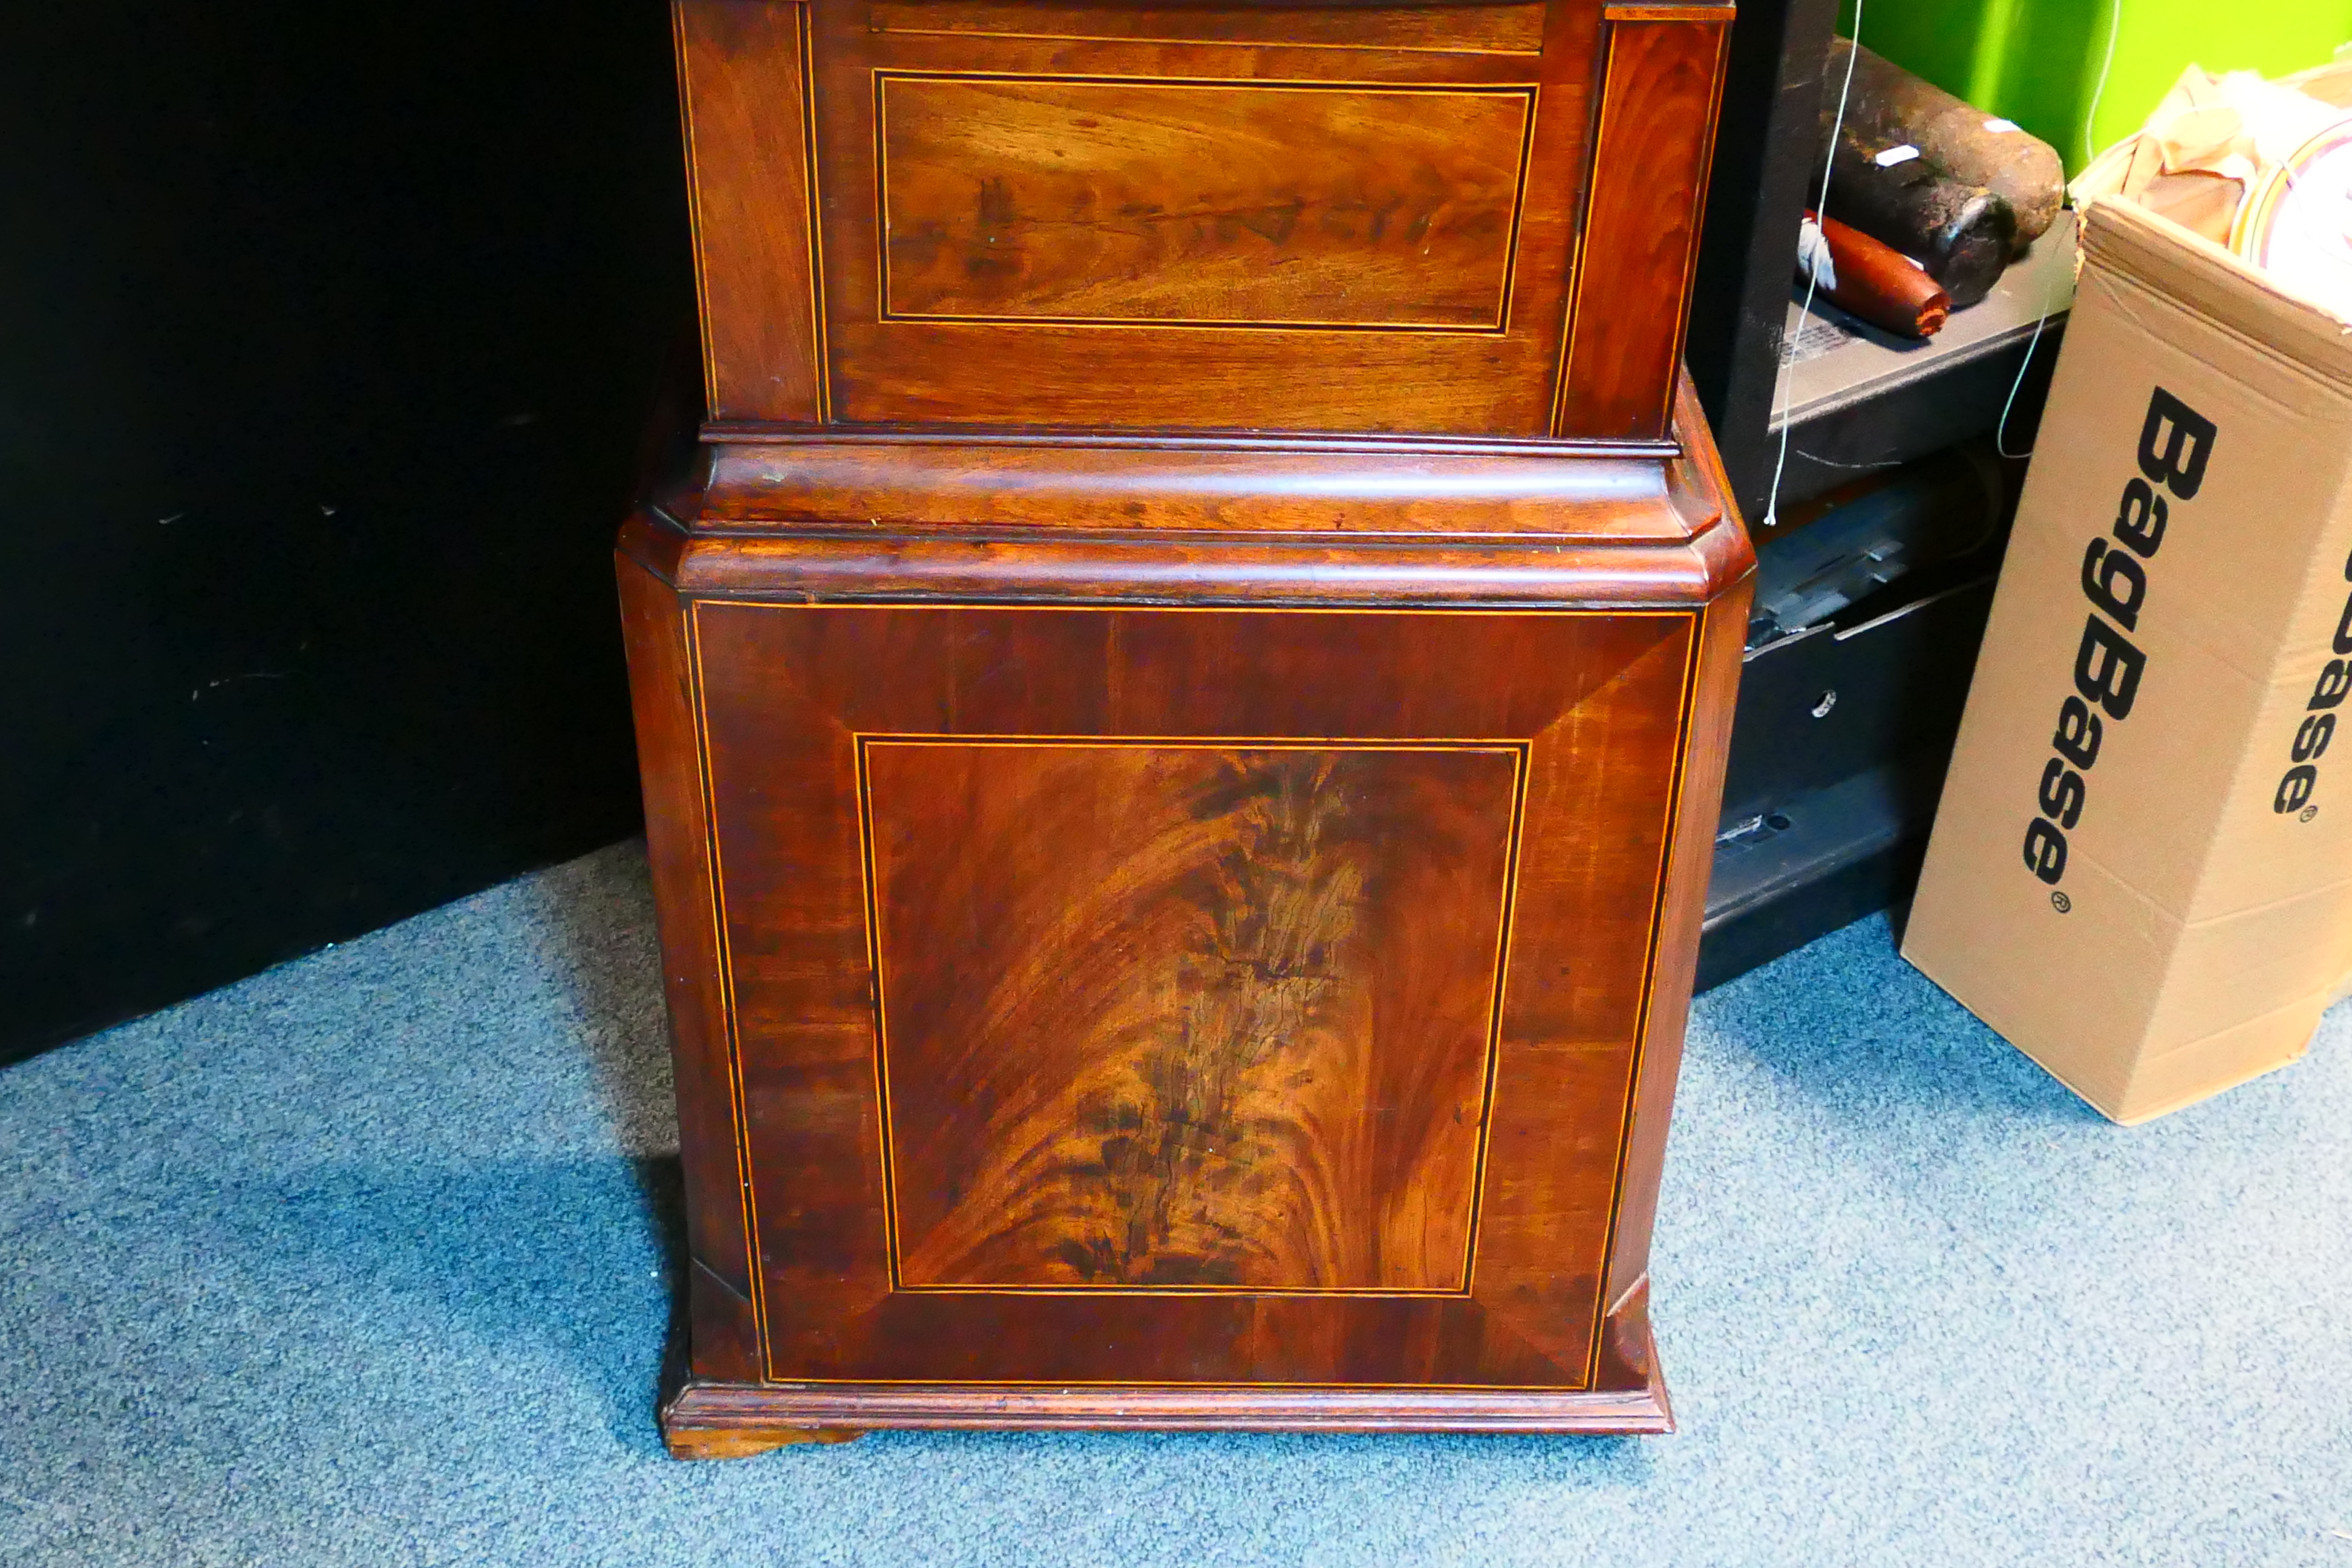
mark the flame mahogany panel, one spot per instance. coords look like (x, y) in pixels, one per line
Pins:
(1272, 237)
(1232, 1032)
(1188, 203)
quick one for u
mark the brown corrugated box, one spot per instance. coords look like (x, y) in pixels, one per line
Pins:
(2141, 871)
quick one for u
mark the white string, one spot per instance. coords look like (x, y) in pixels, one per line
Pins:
(2090, 152)
(2108, 65)
(2001, 431)
(1812, 274)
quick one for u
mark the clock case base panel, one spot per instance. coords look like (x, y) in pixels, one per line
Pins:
(774, 516)
(703, 1419)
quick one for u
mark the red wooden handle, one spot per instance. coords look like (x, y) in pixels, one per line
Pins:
(1880, 284)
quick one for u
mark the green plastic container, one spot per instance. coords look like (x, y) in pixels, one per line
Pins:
(2037, 61)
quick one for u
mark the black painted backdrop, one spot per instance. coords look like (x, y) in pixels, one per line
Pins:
(328, 336)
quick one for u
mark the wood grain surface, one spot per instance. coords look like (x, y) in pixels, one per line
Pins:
(1178, 798)
(744, 96)
(1620, 711)
(967, 487)
(1659, 96)
(703, 1418)
(1122, 202)
(1262, 161)
(1221, 1016)
(1596, 700)
(1177, 218)
(723, 1280)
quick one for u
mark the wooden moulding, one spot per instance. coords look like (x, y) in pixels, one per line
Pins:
(704, 1419)
(844, 517)
(943, 484)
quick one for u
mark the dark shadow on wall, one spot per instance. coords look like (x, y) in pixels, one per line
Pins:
(335, 336)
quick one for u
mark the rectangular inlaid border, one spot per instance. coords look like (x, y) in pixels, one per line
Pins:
(1528, 92)
(1518, 752)
(885, 19)
(1694, 620)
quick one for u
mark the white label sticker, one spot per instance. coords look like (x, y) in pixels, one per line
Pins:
(2002, 127)
(1895, 155)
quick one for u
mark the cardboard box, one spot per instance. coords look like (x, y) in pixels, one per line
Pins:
(2141, 871)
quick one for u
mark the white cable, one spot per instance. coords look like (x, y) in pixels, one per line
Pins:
(2090, 152)
(2001, 431)
(2091, 117)
(1812, 275)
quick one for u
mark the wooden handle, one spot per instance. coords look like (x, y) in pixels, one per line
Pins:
(1880, 284)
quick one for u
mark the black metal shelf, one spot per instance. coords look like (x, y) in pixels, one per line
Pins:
(1854, 400)
(1843, 735)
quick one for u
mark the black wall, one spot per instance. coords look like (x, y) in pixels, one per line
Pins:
(327, 337)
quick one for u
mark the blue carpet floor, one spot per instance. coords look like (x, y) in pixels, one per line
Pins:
(367, 1261)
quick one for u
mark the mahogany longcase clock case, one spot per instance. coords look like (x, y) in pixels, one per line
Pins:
(1182, 696)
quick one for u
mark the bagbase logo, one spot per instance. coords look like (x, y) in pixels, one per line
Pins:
(2317, 726)
(2175, 443)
